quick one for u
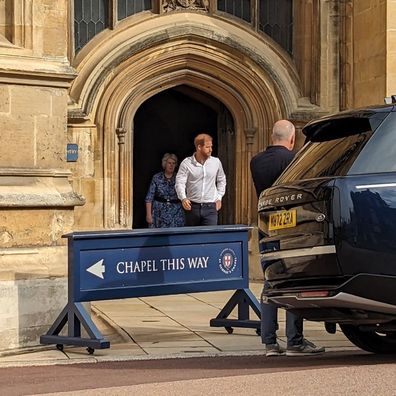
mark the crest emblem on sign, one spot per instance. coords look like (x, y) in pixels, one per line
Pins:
(227, 261)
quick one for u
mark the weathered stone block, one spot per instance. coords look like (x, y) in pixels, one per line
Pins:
(4, 99)
(59, 104)
(28, 309)
(51, 26)
(33, 291)
(50, 151)
(34, 227)
(17, 147)
(83, 137)
(29, 101)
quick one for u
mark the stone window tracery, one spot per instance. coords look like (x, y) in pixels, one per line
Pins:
(276, 20)
(271, 17)
(90, 18)
(93, 16)
(239, 8)
(126, 8)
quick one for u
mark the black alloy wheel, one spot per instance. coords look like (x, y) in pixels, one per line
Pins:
(383, 342)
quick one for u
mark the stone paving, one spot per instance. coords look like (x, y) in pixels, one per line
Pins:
(166, 327)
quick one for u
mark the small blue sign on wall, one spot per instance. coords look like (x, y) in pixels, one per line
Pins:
(71, 152)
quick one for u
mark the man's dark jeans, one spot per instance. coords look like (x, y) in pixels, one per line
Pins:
(269, 324)
(201, 214)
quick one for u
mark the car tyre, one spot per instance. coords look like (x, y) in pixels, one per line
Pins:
(370, 341)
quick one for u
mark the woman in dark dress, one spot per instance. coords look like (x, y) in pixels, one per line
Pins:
(163, 208)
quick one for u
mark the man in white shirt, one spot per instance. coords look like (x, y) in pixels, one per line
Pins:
(201, 183)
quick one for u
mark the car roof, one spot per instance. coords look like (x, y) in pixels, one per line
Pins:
(359, 118)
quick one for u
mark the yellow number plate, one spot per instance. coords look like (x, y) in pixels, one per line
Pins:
(283, 219)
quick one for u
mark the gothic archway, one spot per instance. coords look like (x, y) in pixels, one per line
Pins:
(168, 122)
(247, 75)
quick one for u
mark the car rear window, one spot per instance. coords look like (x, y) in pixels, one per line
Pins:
(333, 149)
(379, 155)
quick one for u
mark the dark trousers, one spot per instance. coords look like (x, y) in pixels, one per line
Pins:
(269, 325)
(201, 214)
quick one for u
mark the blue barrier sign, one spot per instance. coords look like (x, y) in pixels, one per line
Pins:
(149, 262)
(121, 264)
(126, 268)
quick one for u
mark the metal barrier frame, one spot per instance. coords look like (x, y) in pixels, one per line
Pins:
(85, 247)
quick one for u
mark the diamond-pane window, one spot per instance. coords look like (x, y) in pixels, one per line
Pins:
(90, 18)
(238, 8)
(276, 20)
(131, 7)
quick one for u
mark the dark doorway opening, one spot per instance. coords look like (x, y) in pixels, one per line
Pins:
(168, 122)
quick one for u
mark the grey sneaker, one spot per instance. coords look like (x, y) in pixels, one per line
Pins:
(307, 348)
(274, 350)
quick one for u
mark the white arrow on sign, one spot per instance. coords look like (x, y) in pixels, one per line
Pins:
(97, 269)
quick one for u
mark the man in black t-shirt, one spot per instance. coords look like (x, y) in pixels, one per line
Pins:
(266, 167)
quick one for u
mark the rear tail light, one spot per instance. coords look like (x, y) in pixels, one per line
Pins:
(313, 294)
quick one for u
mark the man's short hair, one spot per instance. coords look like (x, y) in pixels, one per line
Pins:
(201, 139)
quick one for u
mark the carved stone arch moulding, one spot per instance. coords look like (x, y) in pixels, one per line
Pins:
(118, 151)
(97, 67)
(113, 84)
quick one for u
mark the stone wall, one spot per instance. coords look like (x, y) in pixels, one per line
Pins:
(30, 117)
(369, 52)
(87, 175)
(390, 47)
(36, 198)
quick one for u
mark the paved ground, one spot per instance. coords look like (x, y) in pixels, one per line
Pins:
(167, 327)
(333, 373)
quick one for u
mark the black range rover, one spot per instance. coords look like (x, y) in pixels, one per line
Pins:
(328, 228)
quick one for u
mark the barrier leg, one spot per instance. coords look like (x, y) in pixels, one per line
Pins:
(75, 315)
(243, 299)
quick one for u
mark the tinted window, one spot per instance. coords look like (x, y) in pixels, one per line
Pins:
(329, 158)
(334, 147)
(335, 128)
(379, 155)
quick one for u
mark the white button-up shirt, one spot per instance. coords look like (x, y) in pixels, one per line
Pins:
(202, 183)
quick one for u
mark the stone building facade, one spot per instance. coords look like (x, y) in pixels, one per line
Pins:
(124, 81)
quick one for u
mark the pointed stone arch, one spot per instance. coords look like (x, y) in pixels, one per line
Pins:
(255, 81)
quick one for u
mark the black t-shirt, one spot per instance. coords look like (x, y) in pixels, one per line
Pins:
(267, 166)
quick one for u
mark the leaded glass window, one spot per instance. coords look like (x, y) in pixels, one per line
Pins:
(276, 20)
(238, 8)
(130, 7)
(272, 17)
(90, 18)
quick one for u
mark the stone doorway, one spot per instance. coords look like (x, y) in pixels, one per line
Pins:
(168, 122)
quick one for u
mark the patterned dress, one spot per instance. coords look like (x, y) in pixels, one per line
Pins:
(167, 210)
